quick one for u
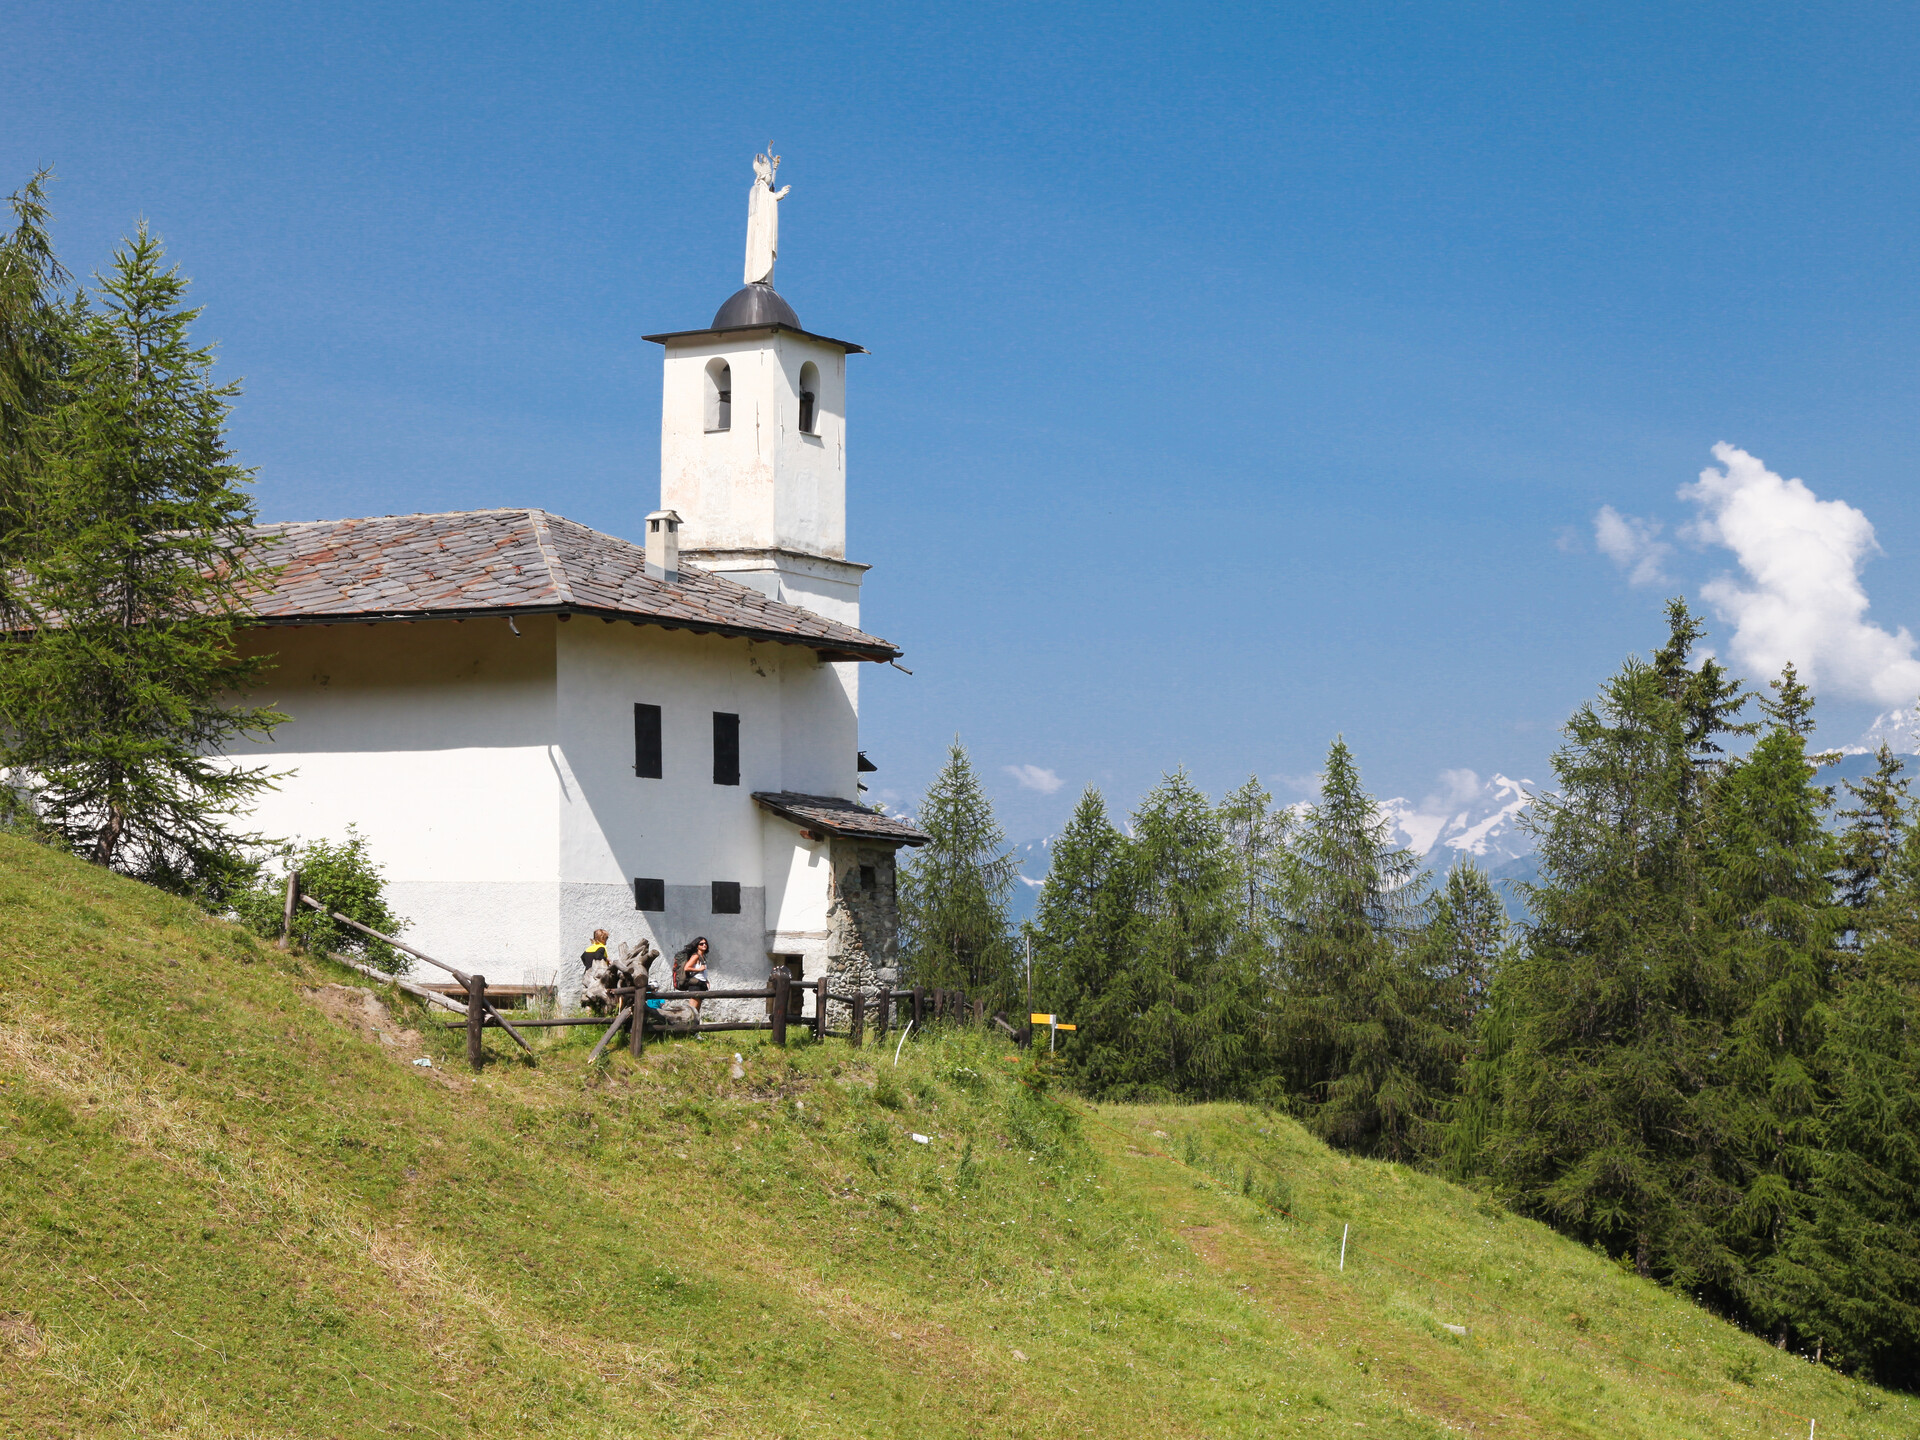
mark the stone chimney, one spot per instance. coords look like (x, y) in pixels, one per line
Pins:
(663, 546)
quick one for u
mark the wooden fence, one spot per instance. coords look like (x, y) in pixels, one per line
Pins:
(917, 1007)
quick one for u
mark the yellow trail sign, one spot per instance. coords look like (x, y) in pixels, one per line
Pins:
(1041, 1019)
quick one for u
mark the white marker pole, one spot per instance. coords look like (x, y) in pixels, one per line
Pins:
(1811, 1421)
(903, 1040)
(1343, 1259)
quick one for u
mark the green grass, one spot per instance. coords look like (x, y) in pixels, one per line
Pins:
(228, 1212)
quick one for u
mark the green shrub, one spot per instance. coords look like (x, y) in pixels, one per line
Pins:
(345, 878)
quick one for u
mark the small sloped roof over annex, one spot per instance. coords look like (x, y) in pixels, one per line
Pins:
(470, 563)
(834, 816)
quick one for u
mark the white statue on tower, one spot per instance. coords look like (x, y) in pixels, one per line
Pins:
(763, 219)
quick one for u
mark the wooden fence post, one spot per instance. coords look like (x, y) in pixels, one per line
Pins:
(476, 1017)
(637, 1027)
(781, 980)
(286, 915)
(979, 1013)
(883, 1014)
(857, 1026)
(919, 1008)
(820, 1010)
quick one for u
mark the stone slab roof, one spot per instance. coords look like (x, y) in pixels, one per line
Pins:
(515, 562)
(838, 817)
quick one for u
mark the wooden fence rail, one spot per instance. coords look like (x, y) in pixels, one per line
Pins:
(478, 1006)
(479, 1013)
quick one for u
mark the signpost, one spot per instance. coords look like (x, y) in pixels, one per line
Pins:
(1054, 1026)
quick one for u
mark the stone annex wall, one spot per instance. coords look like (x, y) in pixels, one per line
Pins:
(865, 923)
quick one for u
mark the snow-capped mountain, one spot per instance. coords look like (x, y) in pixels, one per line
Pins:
(1474, 817)
(1899, 730)
(1470, 816)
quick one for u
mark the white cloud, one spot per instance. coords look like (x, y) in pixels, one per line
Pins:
(1633, 544)
(1032, 777)
(1800, 598)
(1456, 786)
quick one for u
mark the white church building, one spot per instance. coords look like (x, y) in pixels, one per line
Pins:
(543, 730)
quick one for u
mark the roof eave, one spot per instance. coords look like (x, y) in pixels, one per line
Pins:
(828, 649)
(846, 345)
(845, 832)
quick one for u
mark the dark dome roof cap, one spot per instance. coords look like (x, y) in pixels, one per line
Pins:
(755, 304)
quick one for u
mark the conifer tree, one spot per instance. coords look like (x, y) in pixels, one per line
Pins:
(1080, 946)
(954, 891)
(1618, 1010)
(1871, 833)
(1770, 909)
(1189, 959)
(1357, 1028)
(1257, 835)
(1464, 941)
(120, 697)
(1846, 1275)
(32, 331)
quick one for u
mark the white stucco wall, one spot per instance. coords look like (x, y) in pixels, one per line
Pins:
(493, 777)
(438, 742)
(797, 731)
(762, 483)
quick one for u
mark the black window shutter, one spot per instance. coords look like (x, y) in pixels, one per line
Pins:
(649, 894)
(726, 750)
(646, 742)
(726, 897)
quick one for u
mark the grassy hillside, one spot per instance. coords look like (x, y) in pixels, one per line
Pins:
(231, 1206)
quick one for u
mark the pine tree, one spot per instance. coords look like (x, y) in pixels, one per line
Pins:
(954, 891)
(119, 699)
(1617, 1010)
(1080, 939)
(1357, 1027)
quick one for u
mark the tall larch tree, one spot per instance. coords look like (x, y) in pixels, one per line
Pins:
(1356, 1025)
(1846, 1277)
(1770, 908)
(1618, 1010)
(118, 697)
(1189, 961)
(1081, 934)
(33, 332)
(954, 891)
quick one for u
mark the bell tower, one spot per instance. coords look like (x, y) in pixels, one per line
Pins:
(753, 440)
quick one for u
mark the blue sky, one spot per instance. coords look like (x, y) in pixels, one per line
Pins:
(1241, 375)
